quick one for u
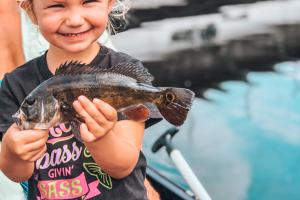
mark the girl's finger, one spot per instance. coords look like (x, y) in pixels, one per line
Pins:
(14, 127)
(92, 110)
(107, 110)
(80, 110)
(91, 124)
(86, 135)
(29, 155)
(36, 145)
(30, 136)
(38, 155)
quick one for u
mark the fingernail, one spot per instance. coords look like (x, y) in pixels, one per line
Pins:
(83, 125)
(81, 98)
(96, 100)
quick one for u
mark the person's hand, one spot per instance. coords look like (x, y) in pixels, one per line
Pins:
(99, 118)
(27, 145)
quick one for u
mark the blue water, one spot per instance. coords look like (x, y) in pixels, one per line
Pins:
(245, 143)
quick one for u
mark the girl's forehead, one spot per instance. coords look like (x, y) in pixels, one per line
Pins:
(22, 2)
(60, 1)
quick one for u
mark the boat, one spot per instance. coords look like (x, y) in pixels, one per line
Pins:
(167, 189)
(200, 51)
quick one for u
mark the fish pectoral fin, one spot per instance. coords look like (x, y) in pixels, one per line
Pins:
(75, 125)
(69, 113)
(139, 113)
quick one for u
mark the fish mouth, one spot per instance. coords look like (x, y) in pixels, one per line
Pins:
(19, 117)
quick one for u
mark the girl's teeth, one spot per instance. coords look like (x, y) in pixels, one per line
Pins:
(72, 34)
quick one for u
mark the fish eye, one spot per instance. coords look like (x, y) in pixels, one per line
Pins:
(30, 101)
(170, 97)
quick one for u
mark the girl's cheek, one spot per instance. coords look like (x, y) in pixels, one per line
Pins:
(97, 14)
(50, 22)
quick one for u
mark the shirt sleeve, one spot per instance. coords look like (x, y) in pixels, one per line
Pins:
(8, 105)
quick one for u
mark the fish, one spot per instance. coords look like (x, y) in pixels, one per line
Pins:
(125, 86)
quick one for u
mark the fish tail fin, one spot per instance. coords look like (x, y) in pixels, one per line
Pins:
(176, 104)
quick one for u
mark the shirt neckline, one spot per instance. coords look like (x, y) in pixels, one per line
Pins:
(46, 73)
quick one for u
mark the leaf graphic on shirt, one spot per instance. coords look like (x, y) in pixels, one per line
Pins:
(94, 170)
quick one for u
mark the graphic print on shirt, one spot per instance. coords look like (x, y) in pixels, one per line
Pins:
(94, 170)
(67, 170)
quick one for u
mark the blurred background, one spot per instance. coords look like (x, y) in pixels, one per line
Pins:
(241, 58)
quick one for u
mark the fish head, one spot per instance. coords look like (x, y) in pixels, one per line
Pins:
(37, 112)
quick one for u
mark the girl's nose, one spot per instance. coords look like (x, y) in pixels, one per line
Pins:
(74, 18)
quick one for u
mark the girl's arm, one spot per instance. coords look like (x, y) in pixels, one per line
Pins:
(115, 146)
(118, 151)
(19, 150)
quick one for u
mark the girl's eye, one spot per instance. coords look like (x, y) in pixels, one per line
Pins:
(56, 6)
(89, 1)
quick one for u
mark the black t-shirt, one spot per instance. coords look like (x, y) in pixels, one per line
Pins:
(67, 170)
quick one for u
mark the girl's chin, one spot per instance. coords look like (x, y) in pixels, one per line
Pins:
(76, 48)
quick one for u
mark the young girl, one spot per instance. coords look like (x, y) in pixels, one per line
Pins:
(109, 163)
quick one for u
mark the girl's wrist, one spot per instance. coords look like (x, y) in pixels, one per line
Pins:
(7, 155)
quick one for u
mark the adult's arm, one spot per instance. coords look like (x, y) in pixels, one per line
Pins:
(11, 54)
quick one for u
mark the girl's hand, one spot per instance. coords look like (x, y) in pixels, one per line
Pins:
(99, 118)
(28, 145)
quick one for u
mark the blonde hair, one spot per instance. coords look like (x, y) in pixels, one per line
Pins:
(116, 19)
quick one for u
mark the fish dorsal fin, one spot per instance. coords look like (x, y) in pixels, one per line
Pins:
(140, 74)
(70, 68)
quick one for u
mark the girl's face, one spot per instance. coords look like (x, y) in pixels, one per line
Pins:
(71, 25)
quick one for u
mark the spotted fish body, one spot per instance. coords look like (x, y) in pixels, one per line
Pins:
(122, 86)
(117, 90)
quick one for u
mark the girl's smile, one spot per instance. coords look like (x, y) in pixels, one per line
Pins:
(76, 36)
(71, 26)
